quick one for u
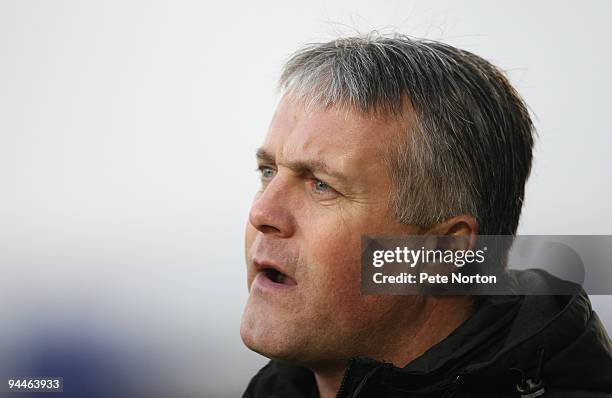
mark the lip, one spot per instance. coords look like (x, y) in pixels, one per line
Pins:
(263, 265)
(263, 281)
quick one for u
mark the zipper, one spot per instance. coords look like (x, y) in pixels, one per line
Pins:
(345, 378)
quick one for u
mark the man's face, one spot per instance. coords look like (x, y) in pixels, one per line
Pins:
(324, 185)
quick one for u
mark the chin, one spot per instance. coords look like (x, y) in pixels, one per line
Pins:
(278, 343)
(269, 347)
(260, 334)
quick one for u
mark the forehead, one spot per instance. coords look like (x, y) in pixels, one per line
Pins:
(342, 136)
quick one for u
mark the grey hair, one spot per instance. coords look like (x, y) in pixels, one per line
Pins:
(469, 149)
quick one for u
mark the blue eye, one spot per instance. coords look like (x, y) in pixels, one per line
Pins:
(266, 172)
(321, 186)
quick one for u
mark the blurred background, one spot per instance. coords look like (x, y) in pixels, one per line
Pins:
(127, 139)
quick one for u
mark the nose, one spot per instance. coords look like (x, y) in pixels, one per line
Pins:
(271, 211)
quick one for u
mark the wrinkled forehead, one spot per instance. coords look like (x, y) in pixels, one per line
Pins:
(333, 131)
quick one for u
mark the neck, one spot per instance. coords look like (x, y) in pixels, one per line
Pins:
(438, 318)
(329, 380)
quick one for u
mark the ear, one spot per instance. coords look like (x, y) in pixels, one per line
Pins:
(463, 226)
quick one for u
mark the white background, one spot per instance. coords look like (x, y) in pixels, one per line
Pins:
(127, 138)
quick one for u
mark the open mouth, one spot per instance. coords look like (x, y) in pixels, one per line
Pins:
(274, 275)
(278, 277)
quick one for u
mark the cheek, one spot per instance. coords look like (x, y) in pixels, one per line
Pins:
(335, 278)
(334, 249)
(336, 266)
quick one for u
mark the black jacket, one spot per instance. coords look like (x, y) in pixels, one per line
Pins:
(512, 346)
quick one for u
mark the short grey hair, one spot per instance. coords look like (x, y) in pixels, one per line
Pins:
(469, 149)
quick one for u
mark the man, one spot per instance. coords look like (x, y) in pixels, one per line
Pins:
(392, 136)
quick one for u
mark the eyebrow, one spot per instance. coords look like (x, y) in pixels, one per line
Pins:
(314, 166)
